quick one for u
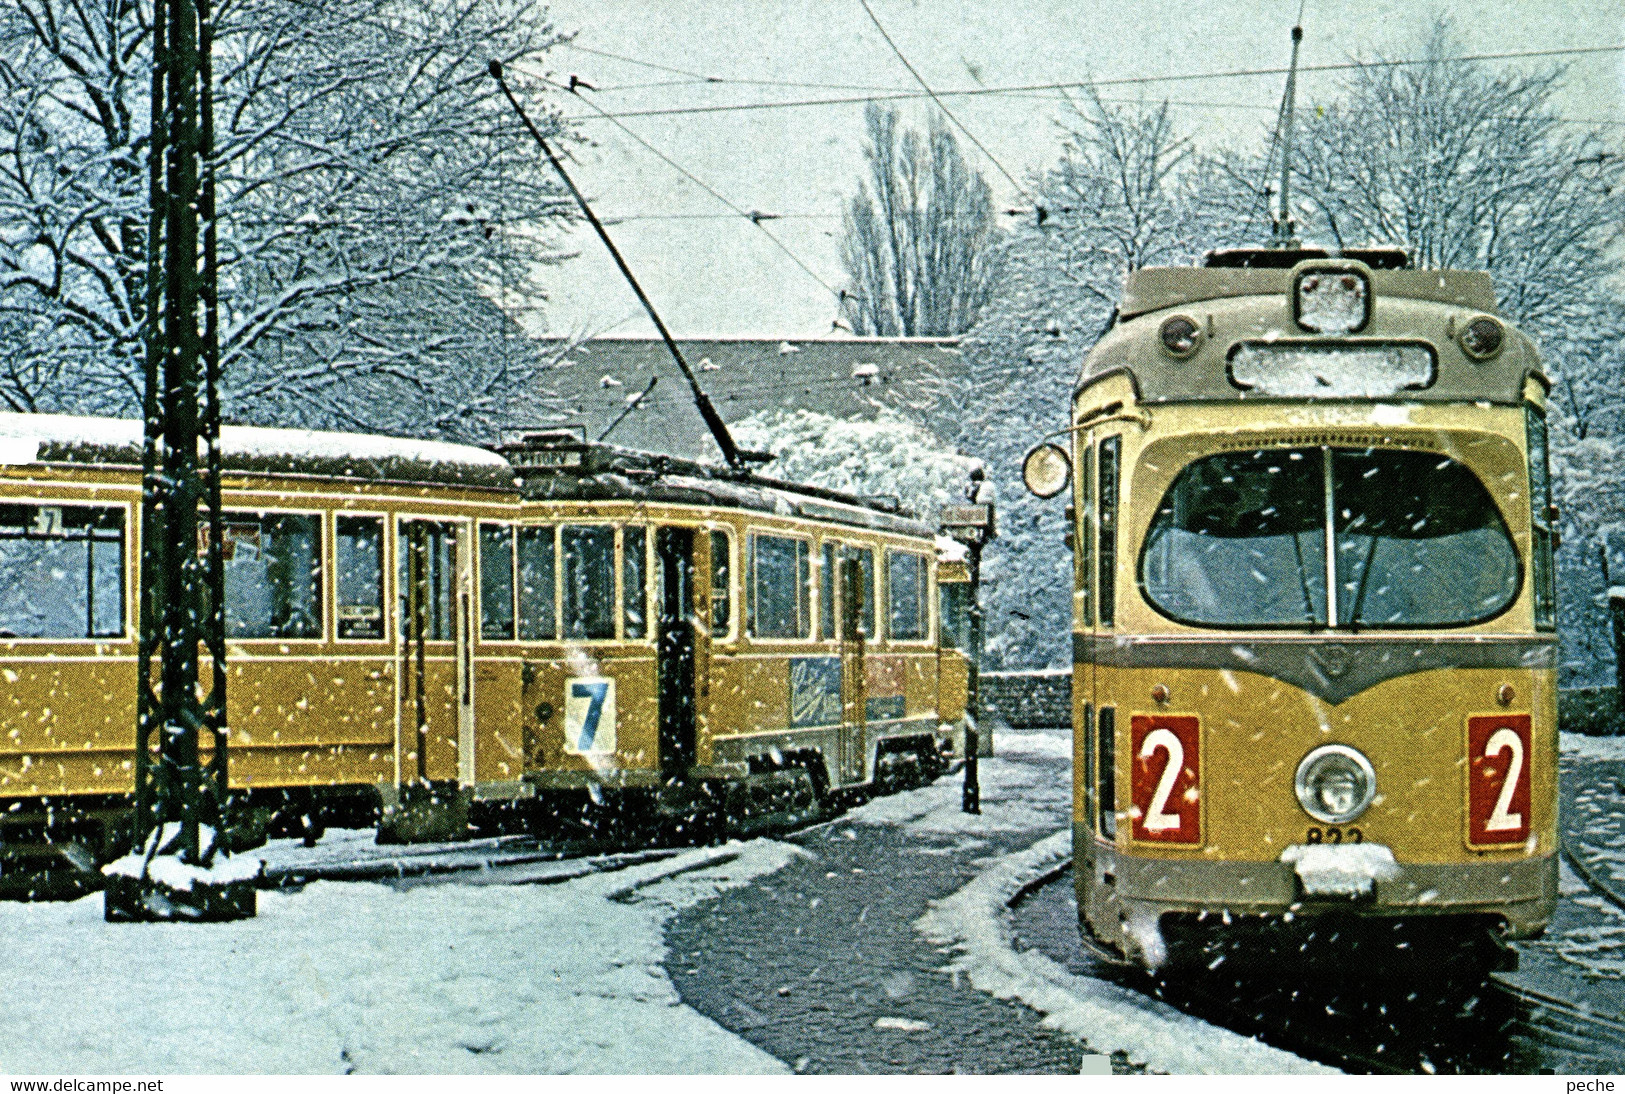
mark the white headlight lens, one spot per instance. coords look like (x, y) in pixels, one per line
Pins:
(1335, 784)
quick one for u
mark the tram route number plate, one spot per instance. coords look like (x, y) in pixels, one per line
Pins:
(589, 715)
(1167, 782)
(1498, 798)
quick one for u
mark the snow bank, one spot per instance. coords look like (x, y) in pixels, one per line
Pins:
(347, 977)
(1592, 748)
(1016, 796)
(1108, 1018)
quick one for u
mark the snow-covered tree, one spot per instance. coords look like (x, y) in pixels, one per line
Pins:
(889, 456)
(368, 173)
(1123, 195)
(920, 236)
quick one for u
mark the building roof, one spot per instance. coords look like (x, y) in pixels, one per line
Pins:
(843, 377)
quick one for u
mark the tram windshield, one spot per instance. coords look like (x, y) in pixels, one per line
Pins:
(1241, 538)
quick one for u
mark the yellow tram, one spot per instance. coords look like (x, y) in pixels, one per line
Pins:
(433, 628)
(1313, 606)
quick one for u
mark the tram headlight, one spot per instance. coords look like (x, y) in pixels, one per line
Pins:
(1335, 784)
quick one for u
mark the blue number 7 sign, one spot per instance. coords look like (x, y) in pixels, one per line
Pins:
(589, 715)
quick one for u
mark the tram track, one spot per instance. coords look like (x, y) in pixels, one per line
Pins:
(1499, 1024)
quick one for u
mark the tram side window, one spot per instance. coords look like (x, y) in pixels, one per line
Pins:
(1542, 570)
(1110, 461)
(721, 585)
(589, 581)
(779, 601)
(905, 596)
(538, 622)
(61, 571)
(273, 565)
(826, 592)
(361, 577)
(634, 581)
(496, 582)
(432, 546)
(954, 606)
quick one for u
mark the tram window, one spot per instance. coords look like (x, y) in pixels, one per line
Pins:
(538, 621)
(779, 573)
(865, 559)
(826, 591)
(1419, 541)
(1110, 461)
(905, 596)
(634, 582)
(61, 571)
(954, 605)
(721, 585)
(360, 577)
(1542, 543)
(273, 567)
(1086, 542)
(434, 545)
(496, 582)
(1240, 540)
(1106, 750)
(589, 581)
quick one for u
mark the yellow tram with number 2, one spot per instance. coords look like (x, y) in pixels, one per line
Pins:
(1313, 607)
(550, 630)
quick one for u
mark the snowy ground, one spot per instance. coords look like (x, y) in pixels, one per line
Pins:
(1021, 789)
(1594, 823)
(362, 977)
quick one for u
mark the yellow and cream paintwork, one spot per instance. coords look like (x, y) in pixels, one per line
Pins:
(1255, 726)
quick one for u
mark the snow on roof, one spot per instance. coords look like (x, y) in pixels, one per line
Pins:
(951, 550)
(22, 435)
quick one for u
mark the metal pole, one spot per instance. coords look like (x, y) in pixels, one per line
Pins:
(971, 798)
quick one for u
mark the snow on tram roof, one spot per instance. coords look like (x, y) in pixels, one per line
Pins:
(30, 438)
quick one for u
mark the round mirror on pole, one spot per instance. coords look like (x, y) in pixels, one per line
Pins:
(1046, 470)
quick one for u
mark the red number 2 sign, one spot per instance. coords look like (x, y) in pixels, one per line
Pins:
(1167, 778)
(1497, 779)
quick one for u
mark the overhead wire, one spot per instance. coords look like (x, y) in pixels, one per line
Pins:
(696, 180)
(1022, 190)
(1125, 81)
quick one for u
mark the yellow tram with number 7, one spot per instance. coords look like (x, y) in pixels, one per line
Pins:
(1313, 625)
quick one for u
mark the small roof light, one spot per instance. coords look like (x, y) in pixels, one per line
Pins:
(1331, 301)
(1482, 337)
(1180, 335)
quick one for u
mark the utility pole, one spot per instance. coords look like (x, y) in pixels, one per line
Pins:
(973, 525)
(178, 868)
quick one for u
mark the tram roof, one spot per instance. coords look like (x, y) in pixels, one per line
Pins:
(560, 465)
(63, 438)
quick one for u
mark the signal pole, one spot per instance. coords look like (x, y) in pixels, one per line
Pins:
(178, 867)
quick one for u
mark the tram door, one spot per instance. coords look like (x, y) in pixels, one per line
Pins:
(676, 646)
(436, 736)
(854, 691)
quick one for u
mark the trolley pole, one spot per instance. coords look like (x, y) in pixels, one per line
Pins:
(178, 868)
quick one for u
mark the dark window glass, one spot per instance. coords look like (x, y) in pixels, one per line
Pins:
(61, 571)
(1240, 540)
(273, 567)
(1542, 570)
(431, 547)
(589, 581)
(1419, 542)
(779, 578)
(1086, 542)
(496, 581)
(954, 615)
(537, 622)
(361, 577)
(1106, 806)
(905, 596)
(826, 592)
(1110, 450)
(721, 585)
(865, 559)
(634, 582)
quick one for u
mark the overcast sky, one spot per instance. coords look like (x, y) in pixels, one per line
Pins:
(713, 272)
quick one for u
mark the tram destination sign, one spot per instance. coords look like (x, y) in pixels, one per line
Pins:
(544, 458)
